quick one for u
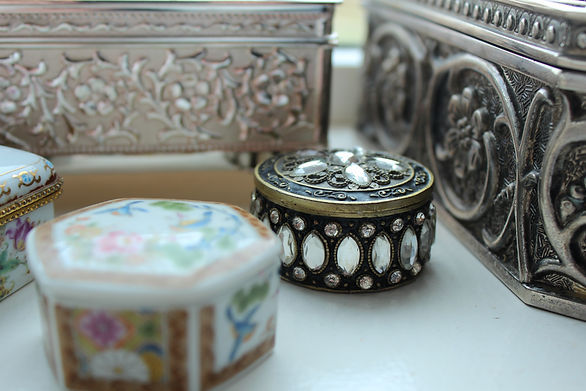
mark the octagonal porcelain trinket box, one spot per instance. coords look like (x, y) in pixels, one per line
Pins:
(349, 220)
(28, 185)
(151, 294)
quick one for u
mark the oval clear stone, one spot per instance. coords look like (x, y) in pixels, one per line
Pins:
(289, 248)
(348, 255)
(357, 174)
(381, 254)
(314, 253)
(341, 157)
(409, 247)
(425, 238)
(388, 164)
(310, 167)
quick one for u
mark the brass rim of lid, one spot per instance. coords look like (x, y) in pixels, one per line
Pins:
(30, 202)
(310, 205)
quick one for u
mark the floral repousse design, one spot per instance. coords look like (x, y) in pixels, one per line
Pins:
(273, 94)
(462, 146)
(571, 199)
(96, 97)
(100, 101)
(466, 151)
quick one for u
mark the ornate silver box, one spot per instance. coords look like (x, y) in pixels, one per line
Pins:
(492, 95)
(134, 77)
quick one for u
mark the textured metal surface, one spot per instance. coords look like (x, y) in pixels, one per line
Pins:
(92, 77)
(349, 220)
(500, 123)
(331, 276)
(344, 182)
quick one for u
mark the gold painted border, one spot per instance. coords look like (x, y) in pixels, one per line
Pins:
(210, 379)
(31, 202)
(177, 345)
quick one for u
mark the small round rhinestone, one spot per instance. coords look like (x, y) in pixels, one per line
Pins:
(332, 230)
(332, 280)
(298, 223)
(367, 230)
(419, 218)
(397, 225)
(431, 210)
(299, 274)
(416, 268)
(365, 282)
(396, 277)
(274, 216)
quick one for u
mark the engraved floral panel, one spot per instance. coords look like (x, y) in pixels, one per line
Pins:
(170, 100)
(473, 146)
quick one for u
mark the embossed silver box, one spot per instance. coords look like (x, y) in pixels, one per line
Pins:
(492, 95)
(135, 77)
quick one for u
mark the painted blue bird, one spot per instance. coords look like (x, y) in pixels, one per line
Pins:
(242, 329)
(125, 210)
(190, 224)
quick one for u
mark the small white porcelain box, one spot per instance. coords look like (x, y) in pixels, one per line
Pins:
(28, 185)
(147, 294)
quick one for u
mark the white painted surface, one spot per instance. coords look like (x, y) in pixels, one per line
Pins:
(455, 328)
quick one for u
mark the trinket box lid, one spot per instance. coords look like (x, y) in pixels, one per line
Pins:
(344, 182)
(155, 250)
(27, 182)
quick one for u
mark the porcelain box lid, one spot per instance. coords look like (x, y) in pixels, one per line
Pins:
(149, 250)
(27, 182)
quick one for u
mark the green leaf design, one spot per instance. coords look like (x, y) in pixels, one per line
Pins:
(173, 205)
(243, 300)
(226, 242)
(180, 256)
(8, 265)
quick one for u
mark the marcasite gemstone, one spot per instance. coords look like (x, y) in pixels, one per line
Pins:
(274, 216)
(367, 230)
(397, 225)
(416, 268)
(365, 282)
(332, 280)
(396, 277)
(332, 230)
(299, 274)
(298, 223)
(419, 218)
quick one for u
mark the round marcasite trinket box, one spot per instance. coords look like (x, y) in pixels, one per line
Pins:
(348, 220)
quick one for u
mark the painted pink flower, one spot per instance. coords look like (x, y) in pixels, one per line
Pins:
(120, 243)
(104, 329)
(19, 232)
